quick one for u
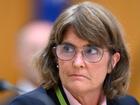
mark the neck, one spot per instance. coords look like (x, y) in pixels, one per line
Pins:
(89, 98)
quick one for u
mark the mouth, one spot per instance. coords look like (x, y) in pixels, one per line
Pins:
(78, 76)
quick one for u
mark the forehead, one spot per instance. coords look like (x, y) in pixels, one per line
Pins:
(70, 36)
(74, 32)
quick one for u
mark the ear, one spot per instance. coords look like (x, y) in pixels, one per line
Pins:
(114, 60)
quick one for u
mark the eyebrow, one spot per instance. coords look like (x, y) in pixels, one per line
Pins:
(68, 43)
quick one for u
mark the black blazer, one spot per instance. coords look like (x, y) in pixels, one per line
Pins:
(42, 97)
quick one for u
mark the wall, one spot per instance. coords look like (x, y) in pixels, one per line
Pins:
(13, 13)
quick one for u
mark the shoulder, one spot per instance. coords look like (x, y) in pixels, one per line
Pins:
(123, 100)
(38, 96)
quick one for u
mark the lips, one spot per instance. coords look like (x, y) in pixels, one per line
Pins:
(78, 76)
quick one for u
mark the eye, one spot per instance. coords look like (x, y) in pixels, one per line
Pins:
(67, 48)
(91, 50)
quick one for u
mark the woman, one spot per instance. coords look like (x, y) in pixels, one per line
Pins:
(85, 63)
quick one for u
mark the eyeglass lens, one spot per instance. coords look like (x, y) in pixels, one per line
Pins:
(90, 53)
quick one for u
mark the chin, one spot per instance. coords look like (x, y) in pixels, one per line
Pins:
(77, 86)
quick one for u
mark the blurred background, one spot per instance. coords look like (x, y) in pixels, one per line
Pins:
(15, 15)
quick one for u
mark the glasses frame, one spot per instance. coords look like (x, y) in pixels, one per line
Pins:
(83, 55)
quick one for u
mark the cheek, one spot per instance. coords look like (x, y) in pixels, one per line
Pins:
(64, 71)
(97, 76)
(98, 71)
(63, 68)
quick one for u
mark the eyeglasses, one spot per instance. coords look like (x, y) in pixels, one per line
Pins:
(90, 53)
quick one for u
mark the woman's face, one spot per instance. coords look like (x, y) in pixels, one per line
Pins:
(78, 74)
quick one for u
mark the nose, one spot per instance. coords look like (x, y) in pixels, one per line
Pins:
(78, 61)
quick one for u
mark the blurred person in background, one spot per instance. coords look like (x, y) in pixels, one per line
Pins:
(43, 10)
(32, 38)
(85, 62)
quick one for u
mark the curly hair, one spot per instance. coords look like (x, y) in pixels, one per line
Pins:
(97, 25)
